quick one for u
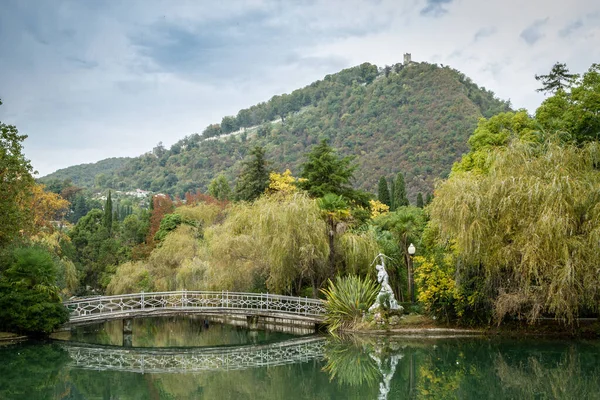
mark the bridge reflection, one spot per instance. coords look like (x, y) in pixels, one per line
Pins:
(169, 360)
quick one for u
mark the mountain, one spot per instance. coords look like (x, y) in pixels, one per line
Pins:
(414, 118)
(84, 175)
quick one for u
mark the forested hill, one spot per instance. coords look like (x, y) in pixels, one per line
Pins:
(412, 118)
(84, 174)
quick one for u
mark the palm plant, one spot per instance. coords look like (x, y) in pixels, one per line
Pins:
(347, 299)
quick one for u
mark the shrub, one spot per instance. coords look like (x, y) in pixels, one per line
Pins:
(347, 299)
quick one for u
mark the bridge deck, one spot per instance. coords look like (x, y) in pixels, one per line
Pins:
(103, 308)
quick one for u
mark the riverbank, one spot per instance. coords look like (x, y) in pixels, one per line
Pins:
(423, 326)
(7, 338)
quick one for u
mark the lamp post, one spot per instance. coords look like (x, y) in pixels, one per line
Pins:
(411, 253)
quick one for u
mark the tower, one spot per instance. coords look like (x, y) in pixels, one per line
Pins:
(407, 59)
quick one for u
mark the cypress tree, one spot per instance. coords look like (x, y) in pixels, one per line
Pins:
(400, 198)
(420, 200)
(108, 213)
(392, 191)
(383, 193)
(428, 198)
(254, 178)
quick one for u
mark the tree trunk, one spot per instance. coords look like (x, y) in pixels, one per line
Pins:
(331, 235)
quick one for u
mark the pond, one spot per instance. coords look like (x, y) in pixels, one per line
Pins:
(227, 362)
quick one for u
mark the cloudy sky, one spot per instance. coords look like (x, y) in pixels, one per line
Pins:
(87, 80)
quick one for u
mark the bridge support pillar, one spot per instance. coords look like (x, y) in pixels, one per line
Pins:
(128, 332)
(252, 321)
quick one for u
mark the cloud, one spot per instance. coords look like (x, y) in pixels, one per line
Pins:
(238, 46)
(435, 8)
(484, 32)
(533, 32)
(91, 80)
(570, 28)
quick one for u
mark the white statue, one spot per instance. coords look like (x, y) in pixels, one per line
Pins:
(386, 290)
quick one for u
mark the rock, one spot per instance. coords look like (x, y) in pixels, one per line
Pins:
(378, 318)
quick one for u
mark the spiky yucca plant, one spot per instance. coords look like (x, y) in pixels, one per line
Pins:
(347, 299)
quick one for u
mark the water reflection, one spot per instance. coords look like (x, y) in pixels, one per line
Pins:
(195, 359)
(180, 331)
(466, 368)
(307, 368)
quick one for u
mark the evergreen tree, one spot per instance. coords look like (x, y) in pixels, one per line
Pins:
(383, 193)
(254, 178)
(324, 172)
(29, 297)
(428, 198)
(108, 213)
(392, 191)
(80, 209)
(400, 198)
(420, 200)
(559, 78)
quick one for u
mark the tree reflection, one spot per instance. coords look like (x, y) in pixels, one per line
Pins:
(349, 362)
(33, 372)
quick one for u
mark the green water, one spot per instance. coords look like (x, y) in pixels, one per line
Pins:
(302, 368)
(183, 331)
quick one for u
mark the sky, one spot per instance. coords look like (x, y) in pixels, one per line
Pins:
(88, 80)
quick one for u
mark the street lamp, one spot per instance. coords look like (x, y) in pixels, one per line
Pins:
(411, 253)
(411, 249)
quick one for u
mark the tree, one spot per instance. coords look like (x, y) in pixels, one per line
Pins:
(80, 209)
(400, 198)
(383, 193)
(108, 213)
(16, 183)
(428, 199)
(276, 244)
(229, 124)
(407, 225)
(324, 172)
(168, 224)
(254, 177)
(392, 191)
(574, 113)
(264, 130)
(559, 78)
(420, 200)
(161, 206)
(29, 300)
(527, 227)
(46, 208)
(219, 188)
(283, 184)
(335, 210)
(387, 70)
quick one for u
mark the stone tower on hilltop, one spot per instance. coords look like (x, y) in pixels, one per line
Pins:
(407, 59)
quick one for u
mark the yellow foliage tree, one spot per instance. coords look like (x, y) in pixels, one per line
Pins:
(284, 184)
(378, 208)
(48, 209)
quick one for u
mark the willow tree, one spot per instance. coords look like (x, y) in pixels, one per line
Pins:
(276, 243)
(530, 225)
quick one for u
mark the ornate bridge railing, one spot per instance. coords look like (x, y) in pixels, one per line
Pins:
(196, 360)
(131, 305)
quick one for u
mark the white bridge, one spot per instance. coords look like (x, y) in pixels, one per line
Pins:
(260, 305)
(196, 360)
